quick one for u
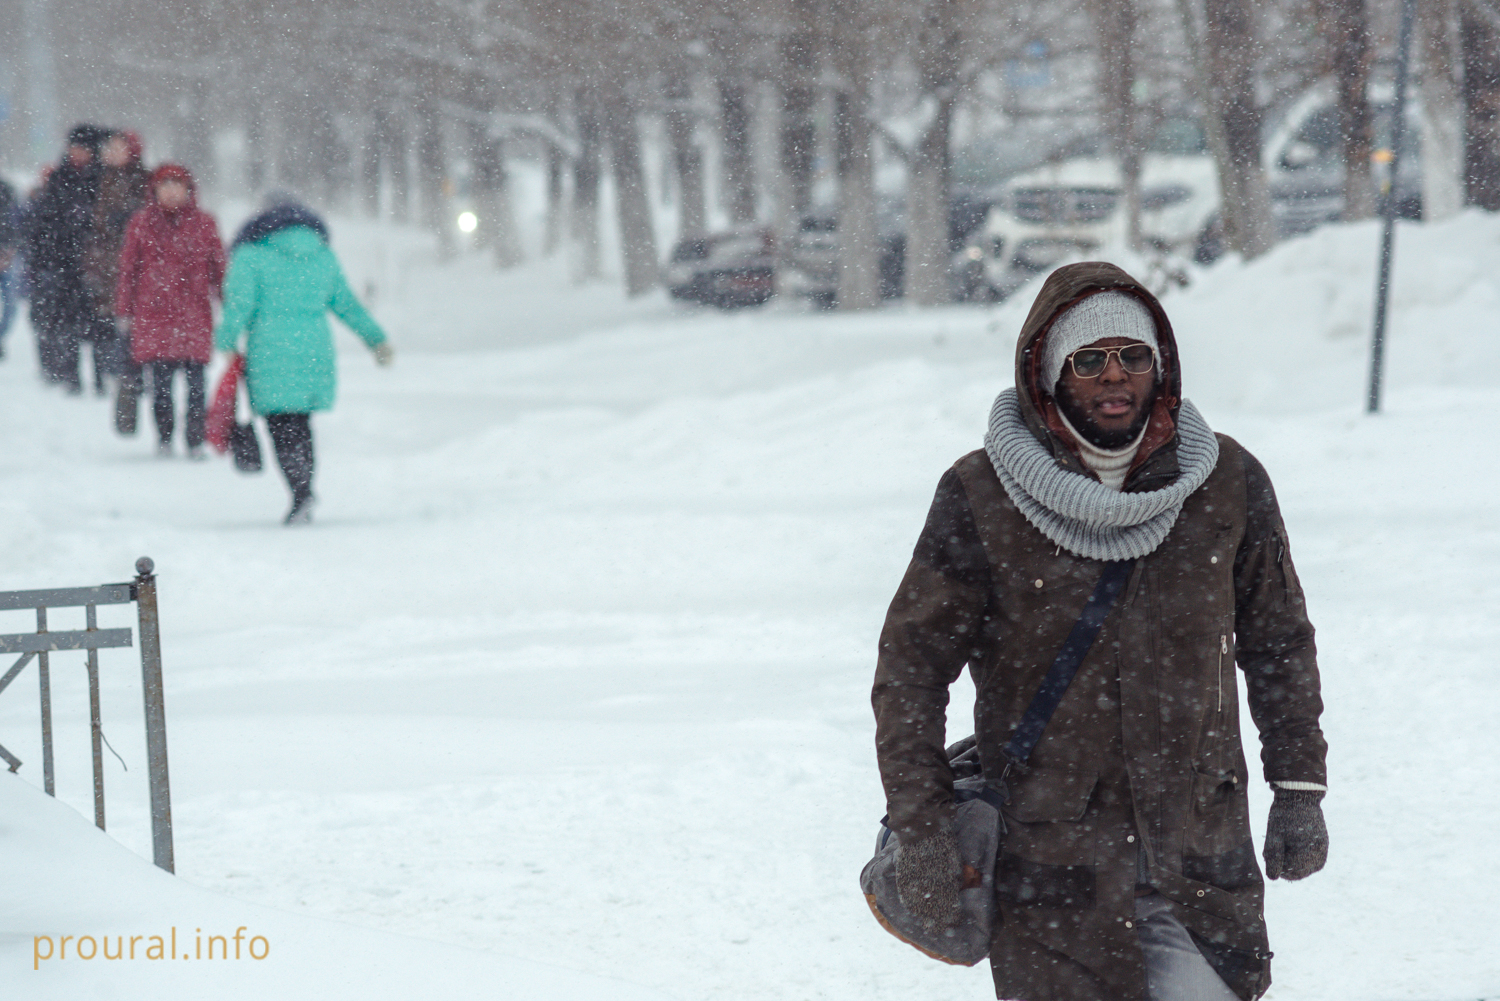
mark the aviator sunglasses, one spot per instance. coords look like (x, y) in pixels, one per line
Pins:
(1090, 363)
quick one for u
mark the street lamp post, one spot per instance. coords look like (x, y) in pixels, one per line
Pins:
(1388, 208)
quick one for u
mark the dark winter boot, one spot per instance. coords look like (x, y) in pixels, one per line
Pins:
(302, 510)
(127, 408)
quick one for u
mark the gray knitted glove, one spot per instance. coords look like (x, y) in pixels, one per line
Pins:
(928, 874)
(1296, 837)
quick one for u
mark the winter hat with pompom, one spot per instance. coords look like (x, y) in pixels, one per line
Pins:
(1104, 314)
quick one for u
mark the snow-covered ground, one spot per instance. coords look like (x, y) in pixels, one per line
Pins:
(574, 664)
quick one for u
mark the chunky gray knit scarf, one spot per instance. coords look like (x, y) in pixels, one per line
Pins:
(1078, 512)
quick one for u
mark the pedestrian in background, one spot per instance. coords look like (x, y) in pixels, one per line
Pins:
(123, 184)
(10, 235)
(283, 281)
(57, 228)
(170, 271)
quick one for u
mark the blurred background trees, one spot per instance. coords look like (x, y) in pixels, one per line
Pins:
(647, 122)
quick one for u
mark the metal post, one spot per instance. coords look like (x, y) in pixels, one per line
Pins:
(156, 715)
(96, 724)
(1388, 237)
(44, 683)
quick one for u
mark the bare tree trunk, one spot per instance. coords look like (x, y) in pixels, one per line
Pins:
(327, 154)
(637, 235)
(739, 168)
(555, 218)
(939, 42)
(255, 139)
(1116, 23)
(291, 153)
(497, 224)
(1481, 50)
(799, 130)
(859, 236)
(1348, 32)
(432, 160)
(194, 137)
(508, 249)
(370, 163)
(686, 156)
(1442, 111)
(585, 218)
(1213, 122)
(484, 178)
(927, 248)
(397, 153)
(1229, 57)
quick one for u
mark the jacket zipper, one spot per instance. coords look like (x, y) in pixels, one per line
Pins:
(1223, 649)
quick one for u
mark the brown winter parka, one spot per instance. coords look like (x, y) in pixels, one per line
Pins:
(1142, 764)
(122, 191)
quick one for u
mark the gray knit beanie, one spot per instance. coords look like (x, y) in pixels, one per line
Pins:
(1104, 314)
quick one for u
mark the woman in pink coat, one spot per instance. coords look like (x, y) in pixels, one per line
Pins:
(171, 269)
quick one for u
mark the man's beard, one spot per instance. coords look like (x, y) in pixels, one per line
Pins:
(1099, 437)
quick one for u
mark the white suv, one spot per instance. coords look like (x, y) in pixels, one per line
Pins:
(1076, 208)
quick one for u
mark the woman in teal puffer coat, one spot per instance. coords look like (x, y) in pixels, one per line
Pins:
(283, 281)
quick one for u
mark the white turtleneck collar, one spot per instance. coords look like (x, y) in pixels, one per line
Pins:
(1110, 465)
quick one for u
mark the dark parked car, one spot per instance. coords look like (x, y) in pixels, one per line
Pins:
(812, 265)
(1307, 175)
(730, 270)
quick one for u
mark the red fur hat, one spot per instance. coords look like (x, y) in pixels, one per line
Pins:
(172, 172)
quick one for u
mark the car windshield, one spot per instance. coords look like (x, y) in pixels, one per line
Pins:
(1178, 136)
(690, 250)
(1064, 205)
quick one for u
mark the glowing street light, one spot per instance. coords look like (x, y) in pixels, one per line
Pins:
(468, 222)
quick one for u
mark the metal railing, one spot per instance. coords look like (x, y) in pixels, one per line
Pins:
(41, 644)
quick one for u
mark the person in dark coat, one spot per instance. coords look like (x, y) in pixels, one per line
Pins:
(171, 269)
(58, 227)
(1126, 870)
(10, 236)
(123, 183)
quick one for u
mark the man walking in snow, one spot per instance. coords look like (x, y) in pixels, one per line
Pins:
(57, 227)
(1127, 870)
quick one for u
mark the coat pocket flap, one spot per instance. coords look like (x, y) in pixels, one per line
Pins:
(1051, 795)
(1214, 787)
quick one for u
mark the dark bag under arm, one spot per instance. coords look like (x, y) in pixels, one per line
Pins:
(978, 798)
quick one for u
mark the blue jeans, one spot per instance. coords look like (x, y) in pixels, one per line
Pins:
(1175, 969)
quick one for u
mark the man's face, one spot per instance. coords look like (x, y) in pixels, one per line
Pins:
(1110, 409)
(80, 156)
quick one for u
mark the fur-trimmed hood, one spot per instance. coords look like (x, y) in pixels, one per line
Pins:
(1156, 462)
(277, 219)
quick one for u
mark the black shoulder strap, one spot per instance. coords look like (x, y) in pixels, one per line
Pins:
(1074, 649)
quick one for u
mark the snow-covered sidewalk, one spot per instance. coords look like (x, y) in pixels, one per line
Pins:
(84, 915)
(574, 664)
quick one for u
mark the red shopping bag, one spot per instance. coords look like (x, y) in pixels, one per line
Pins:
(220, 420)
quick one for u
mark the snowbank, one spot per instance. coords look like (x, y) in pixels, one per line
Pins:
(135, 931)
